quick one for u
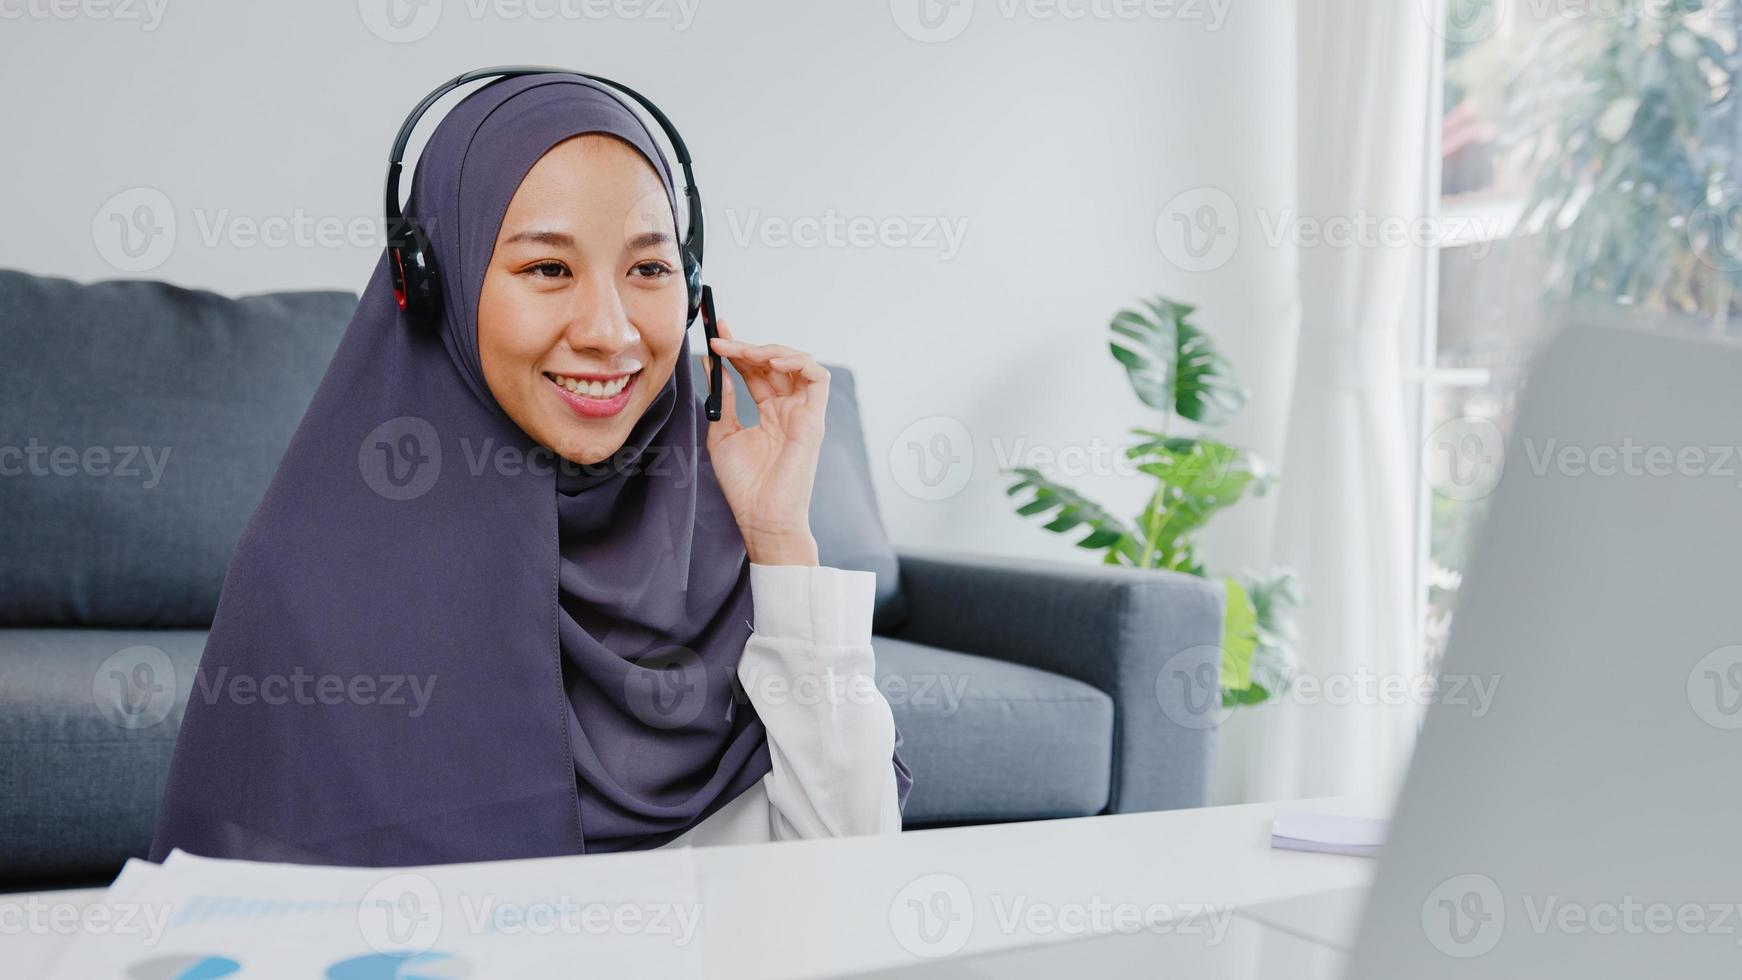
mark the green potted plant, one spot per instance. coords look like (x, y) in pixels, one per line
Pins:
(1174, 368)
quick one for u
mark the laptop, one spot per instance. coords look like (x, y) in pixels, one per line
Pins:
(1588, 823)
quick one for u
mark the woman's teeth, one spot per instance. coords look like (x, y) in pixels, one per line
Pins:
(592, 389)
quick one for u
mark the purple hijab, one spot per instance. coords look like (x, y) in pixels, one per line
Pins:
(438, 641)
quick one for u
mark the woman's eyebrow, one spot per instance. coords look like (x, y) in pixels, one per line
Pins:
(648, 239)
(555, 239)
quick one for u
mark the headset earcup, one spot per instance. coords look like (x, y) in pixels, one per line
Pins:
(692, 275)
(416, 280)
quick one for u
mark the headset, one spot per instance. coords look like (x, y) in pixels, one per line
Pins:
(417, 282)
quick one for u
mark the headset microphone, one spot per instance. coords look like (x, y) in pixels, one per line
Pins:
(417, 281)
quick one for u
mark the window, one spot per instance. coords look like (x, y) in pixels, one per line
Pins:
(1591, 153)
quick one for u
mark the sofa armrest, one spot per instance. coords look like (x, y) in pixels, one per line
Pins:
(1150, 639)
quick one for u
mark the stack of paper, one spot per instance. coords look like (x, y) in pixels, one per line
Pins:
(194, 918)
(1306, 827)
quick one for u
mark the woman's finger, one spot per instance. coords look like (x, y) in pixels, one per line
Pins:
(731, 348)
(757, 377)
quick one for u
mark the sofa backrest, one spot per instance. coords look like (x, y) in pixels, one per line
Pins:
(139, 426)
(141, 422)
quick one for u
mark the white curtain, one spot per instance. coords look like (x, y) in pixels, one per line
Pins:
(1343, 509)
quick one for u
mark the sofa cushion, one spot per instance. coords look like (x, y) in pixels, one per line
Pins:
(844, 516)
(87, 726)
(141, 425)
(991, 740)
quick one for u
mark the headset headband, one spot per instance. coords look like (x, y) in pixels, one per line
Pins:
(693, 238)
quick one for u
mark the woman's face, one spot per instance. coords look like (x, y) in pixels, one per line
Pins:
(581, 318)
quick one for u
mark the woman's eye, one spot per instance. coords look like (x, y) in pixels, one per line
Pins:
(547, 270)
(652, 270)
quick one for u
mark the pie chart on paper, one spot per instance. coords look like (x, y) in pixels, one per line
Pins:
(191, 966)
(431, 965)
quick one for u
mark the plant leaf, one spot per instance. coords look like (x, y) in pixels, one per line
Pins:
(1148, 351)
(1074, 510)
(1239, 637)
(1276, 597)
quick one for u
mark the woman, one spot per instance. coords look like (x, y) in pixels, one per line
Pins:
(498, 599)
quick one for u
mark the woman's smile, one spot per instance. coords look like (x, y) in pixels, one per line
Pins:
(594, 395)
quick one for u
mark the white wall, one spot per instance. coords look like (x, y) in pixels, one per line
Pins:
(1057, 141)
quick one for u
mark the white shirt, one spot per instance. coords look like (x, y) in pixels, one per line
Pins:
(809, 671)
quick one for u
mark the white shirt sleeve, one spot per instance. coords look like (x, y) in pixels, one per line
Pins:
(809, 670)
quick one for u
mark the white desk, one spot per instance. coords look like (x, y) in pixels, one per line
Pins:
(841, 907)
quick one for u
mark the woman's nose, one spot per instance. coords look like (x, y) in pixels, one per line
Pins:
(597, 320)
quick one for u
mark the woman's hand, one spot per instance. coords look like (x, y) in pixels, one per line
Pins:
(767, 471)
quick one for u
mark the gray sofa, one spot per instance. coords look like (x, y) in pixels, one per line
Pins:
(140, 423)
